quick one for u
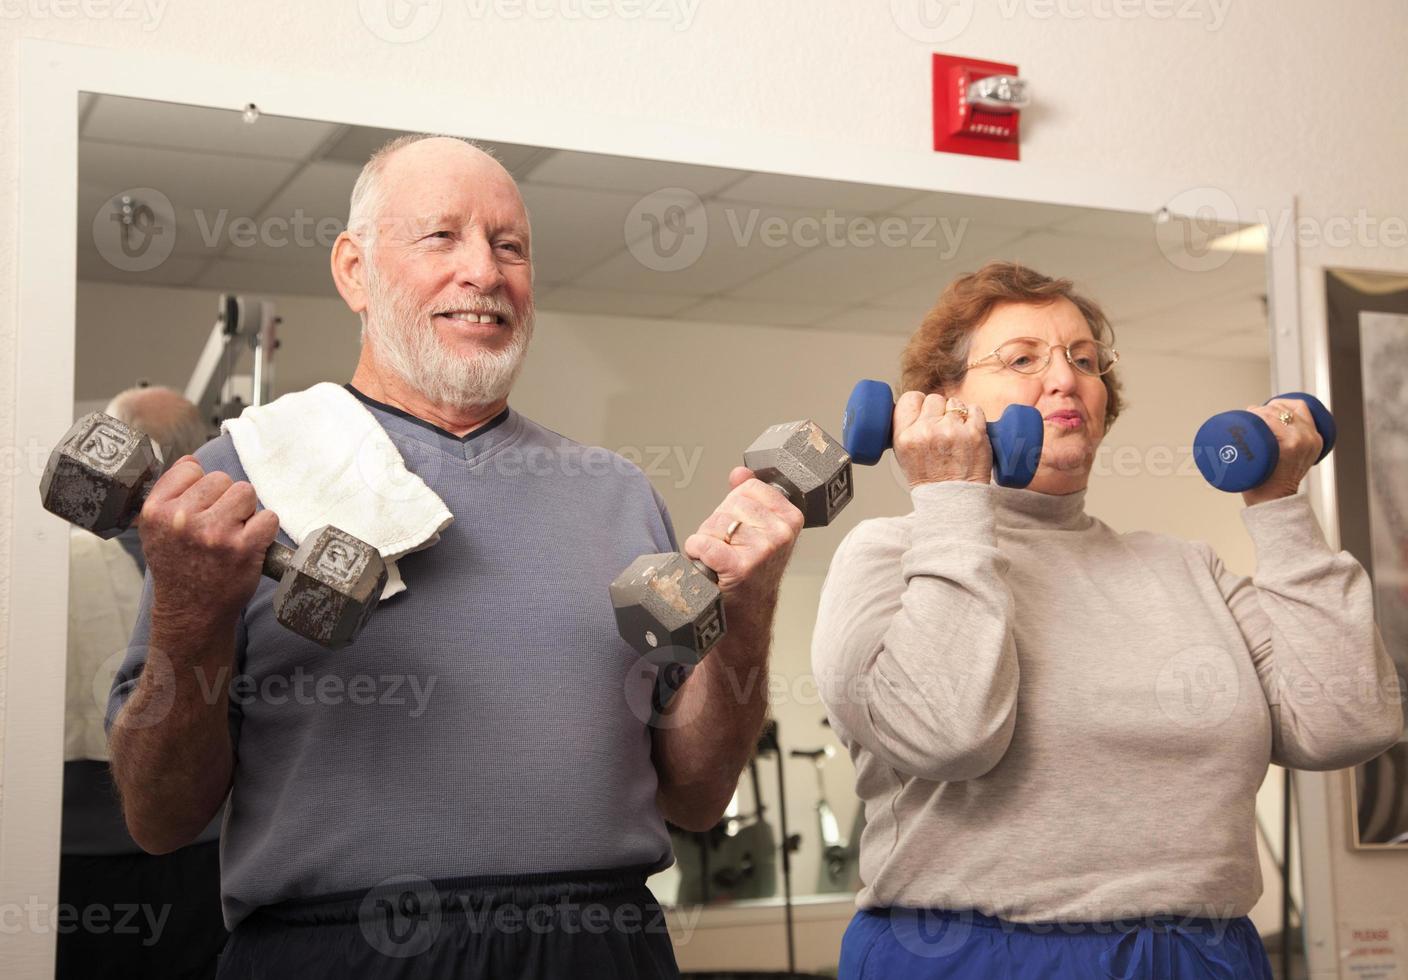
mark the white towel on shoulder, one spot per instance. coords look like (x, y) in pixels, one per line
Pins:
(318, 457)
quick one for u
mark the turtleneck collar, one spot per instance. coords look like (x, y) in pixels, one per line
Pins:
(1028, 509)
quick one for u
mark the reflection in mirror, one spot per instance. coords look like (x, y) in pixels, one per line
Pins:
(681, 309)
(1367, 316)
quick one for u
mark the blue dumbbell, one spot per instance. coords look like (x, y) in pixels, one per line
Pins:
(867, 431)
(1237, 450)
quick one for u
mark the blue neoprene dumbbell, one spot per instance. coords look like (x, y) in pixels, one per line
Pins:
(1236, 451)
(867, 431)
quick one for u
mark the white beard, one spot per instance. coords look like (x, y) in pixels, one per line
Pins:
(407, 342)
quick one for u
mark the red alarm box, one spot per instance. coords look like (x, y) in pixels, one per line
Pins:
(977, 107)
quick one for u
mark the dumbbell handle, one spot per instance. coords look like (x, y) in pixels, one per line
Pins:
(706, 571)
(278, 560)
(786, 493)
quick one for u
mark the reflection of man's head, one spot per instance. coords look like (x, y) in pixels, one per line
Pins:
(167, 418)
(448, 268)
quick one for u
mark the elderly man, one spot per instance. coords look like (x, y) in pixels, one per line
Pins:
(504, 824)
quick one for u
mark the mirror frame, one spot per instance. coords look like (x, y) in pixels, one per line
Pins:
(51, 77)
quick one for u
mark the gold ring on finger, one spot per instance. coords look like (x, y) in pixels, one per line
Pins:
(729, 532)
(1286, 417)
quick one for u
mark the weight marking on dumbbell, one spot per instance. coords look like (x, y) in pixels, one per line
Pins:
(708, 630)
(339, 561)
(1228, 454)
(104, 443)
(1239, 436)
(838, 491)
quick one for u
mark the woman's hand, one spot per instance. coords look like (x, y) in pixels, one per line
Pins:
(938, 439)
(1300, 445)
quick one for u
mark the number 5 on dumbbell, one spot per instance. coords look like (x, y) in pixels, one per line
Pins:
(99, 476)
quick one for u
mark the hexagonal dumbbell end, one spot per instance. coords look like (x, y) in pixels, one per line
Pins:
(668, 600)
(807, 465)
(328, 587)
(99, 475)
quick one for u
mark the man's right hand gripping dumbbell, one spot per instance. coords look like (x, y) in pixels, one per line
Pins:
(669, 605)
(205, 545)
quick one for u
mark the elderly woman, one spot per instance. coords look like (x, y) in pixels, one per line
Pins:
(1059, 730)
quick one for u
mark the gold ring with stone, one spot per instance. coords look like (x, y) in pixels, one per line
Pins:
(728, 534)
(1286, 417)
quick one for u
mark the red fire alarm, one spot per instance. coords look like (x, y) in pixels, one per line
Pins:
(977, 107)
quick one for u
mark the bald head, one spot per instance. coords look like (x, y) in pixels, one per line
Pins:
(407, 174)
(171, 421)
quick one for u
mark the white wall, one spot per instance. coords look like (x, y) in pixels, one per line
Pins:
(1160, 97)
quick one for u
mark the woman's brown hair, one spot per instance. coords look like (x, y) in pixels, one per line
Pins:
(936, 357)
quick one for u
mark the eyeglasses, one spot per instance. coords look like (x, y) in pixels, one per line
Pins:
(1028, 355)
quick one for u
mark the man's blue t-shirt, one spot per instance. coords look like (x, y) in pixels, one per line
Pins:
(489, 720)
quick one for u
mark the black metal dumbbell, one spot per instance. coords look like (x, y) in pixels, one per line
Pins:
(100, 474)
(670, 602)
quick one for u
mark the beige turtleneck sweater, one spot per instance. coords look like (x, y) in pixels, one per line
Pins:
(1051, 721)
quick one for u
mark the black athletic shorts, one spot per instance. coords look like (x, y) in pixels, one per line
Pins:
(593, 924)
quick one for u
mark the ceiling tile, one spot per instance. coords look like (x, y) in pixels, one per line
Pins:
(1152, 287)
(1078, 257)
(146, 123)
(737, 311)
(357, 143)
(574, 230)
(1107, 224)
(816, 195)
(573, 299)
(597, 170)
(743, 241)
(207, 191)
(854, 271)
(1024, 215)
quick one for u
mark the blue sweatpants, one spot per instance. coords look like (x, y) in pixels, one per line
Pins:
(934, 944)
